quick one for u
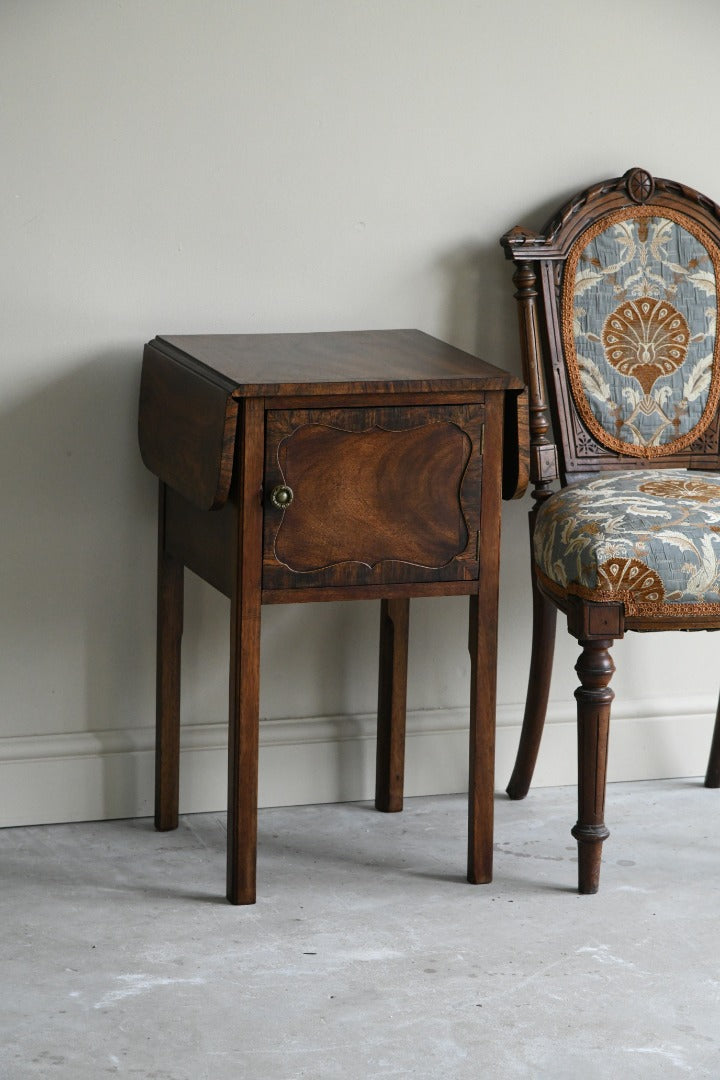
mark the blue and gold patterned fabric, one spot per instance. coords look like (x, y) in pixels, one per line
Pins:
(647, 537)
(639, 312)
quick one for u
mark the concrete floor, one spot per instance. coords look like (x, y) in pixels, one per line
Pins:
(367, 954)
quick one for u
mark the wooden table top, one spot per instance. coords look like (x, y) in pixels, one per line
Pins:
(345, 362)
(193, 386)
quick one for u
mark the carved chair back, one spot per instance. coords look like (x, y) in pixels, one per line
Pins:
(618, 300)
(618, 303)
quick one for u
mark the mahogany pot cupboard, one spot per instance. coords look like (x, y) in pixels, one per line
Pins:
(321, 467)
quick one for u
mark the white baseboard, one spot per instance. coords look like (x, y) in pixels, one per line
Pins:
(102, 775)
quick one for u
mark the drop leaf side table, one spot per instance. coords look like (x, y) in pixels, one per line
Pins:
(330, 466)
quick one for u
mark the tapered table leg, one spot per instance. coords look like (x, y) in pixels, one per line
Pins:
(244, 710)
(167, 721)
(243, 745)
(392, 700)
(482, 642)
(483, 653)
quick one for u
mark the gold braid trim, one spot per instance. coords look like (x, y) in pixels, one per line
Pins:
(611, 442)
(640, 608)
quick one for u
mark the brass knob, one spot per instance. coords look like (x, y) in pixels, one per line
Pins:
(281, 496)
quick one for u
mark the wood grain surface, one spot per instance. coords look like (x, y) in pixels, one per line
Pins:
(348, 362)
(379, 495)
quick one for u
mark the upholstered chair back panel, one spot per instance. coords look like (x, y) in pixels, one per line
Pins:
(638, 313)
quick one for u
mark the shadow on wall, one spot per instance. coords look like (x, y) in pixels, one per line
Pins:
(78, 553)
(480, 313)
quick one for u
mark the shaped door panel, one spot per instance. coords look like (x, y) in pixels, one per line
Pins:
(372, 496)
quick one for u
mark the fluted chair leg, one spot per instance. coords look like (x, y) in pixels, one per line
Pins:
(712, 776)
(594, 697)
(538, 691)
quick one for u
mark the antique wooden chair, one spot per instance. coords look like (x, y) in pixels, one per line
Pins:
(617, 302)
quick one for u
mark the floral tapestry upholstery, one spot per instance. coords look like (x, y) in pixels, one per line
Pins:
(639, 310)
(647, 537)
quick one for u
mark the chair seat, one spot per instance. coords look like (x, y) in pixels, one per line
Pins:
(647, 537)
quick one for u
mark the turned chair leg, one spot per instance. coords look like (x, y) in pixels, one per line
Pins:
(712, 776)
(594, 696)
(538, 691)
(392, 699)
(170, 582)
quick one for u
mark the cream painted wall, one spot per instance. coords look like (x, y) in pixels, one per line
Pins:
(189, 165)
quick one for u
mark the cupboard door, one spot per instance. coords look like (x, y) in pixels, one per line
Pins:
(372, 496)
